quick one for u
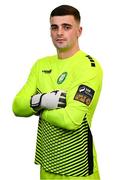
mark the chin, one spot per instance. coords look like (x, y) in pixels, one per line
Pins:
(61, 47)
(58, 45)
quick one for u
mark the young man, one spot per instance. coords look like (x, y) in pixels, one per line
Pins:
(63, 90)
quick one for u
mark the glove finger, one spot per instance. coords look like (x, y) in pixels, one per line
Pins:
(62, 100)
(61, 105)
(63, 94)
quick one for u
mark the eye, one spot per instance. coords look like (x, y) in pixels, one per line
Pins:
(54, 27)
(67, 27)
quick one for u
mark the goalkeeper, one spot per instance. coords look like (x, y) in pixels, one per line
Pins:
(63, 90)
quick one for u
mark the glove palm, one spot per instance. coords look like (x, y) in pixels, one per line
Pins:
(52, 100)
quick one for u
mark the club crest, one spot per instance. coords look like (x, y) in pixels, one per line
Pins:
(61, 78)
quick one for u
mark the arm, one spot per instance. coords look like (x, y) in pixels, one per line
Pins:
(77, 105)
(21, 104)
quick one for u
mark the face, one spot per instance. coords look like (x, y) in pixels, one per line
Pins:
(65, 31)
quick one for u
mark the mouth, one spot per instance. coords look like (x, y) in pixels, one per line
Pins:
(60, 40)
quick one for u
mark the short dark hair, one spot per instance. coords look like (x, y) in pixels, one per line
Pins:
(64, 10)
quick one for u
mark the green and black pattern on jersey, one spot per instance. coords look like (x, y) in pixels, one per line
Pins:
(64, 141)
(64, 151)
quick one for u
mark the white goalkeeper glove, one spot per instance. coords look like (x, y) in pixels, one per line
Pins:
(52, 100)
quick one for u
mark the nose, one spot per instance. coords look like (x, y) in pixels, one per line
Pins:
(60, 31)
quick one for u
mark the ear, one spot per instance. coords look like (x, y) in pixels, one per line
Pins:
(79, 31)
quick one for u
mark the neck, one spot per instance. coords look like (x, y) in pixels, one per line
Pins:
(63, 54)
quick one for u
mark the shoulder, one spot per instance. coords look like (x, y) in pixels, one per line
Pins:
(44, 61)
(88, 66)
(90, 62)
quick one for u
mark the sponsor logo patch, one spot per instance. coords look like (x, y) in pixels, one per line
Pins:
(84, 94)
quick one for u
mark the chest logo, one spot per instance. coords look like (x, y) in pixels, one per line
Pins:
(61, 78)
(47, 71)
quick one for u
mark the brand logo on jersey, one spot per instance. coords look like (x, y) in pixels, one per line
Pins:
(61, 78)
(47, 71)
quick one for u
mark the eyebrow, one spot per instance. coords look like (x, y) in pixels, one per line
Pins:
(64, 24)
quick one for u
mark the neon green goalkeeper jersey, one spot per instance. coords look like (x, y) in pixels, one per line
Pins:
(64, 145)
